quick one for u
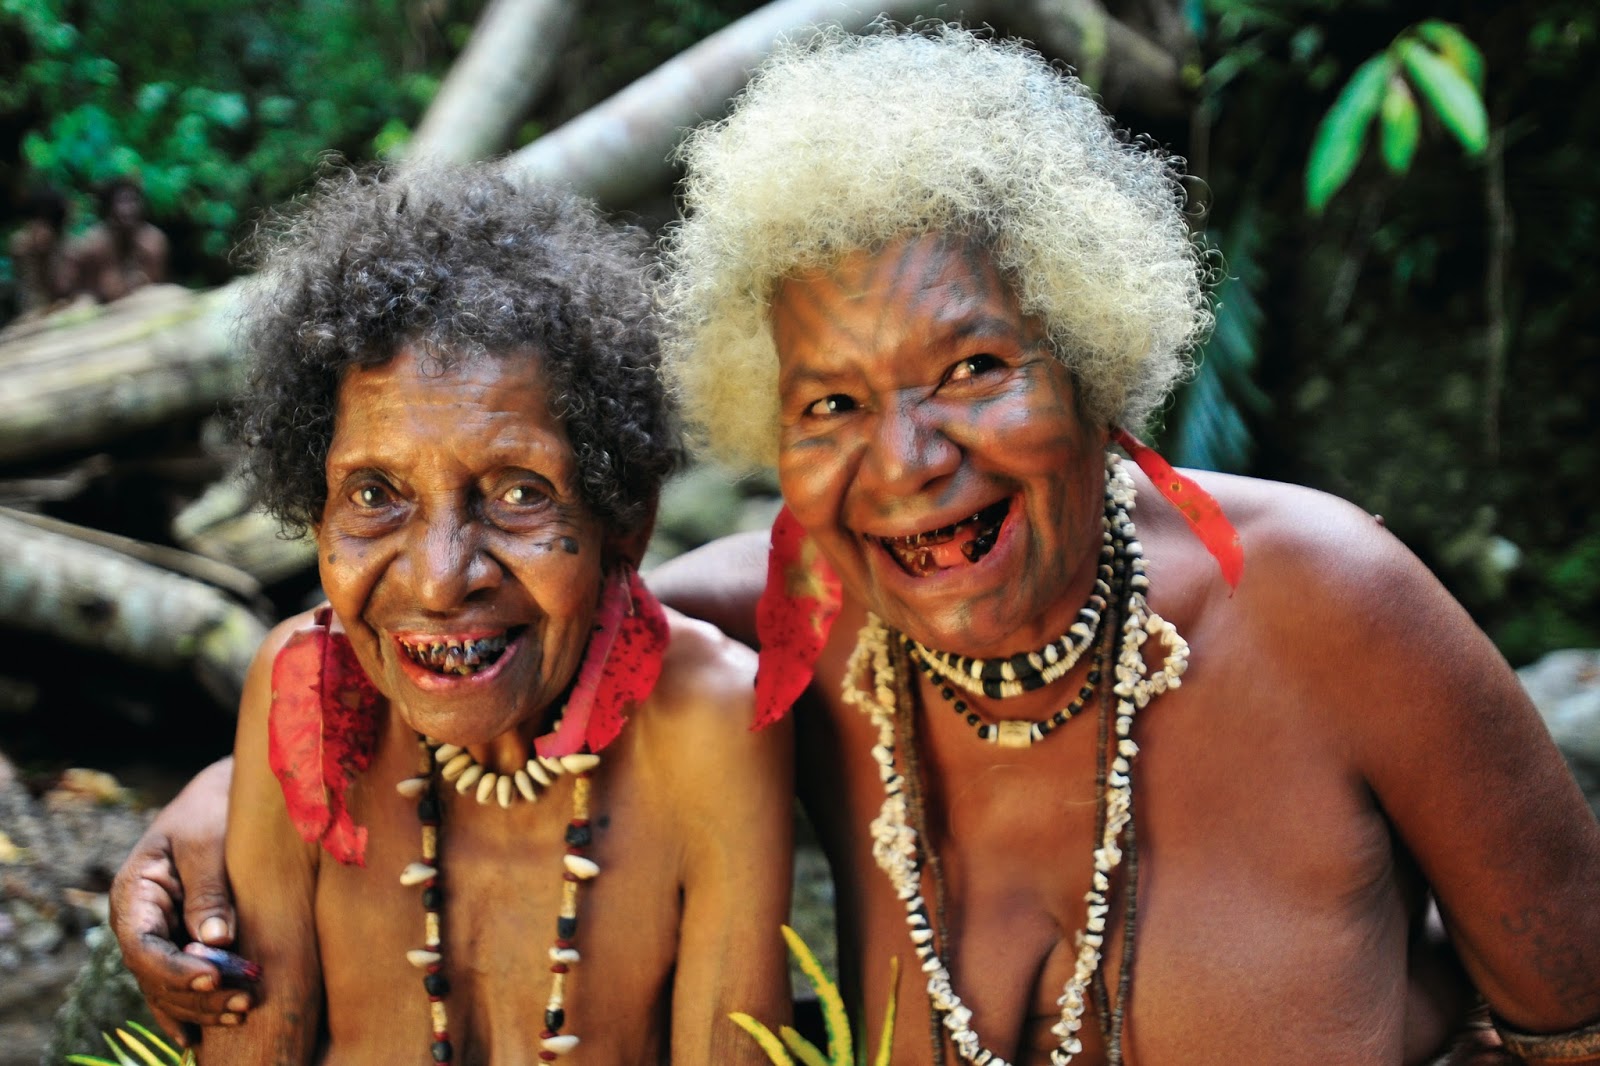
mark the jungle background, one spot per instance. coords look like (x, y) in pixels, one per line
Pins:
(1403, 200)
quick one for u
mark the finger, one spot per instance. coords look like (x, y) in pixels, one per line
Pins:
(207, 904)
(176, 1031)
(224, 1006)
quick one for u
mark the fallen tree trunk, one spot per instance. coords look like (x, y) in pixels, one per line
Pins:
(222, 525)
(159, 355)
(98, 598)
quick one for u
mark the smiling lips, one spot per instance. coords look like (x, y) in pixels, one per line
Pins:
(964, 542)
(455, 656)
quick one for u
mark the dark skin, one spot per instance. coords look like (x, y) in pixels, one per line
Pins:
(453, 513)
(123, 253)
(1324, 765)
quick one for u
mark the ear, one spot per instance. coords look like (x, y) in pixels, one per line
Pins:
(630, 546)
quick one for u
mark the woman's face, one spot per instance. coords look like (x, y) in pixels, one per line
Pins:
(454, 544)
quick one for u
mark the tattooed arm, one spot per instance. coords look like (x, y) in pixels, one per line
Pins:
(1460, 763)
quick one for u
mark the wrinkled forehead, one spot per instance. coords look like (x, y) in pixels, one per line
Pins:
(934, 282)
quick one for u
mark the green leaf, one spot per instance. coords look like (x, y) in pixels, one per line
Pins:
(136, 1046)
(161, 1045)
(886, 1037)
(122, 1056)
(805, 1050)
(840, 1039)
(228, 110)
(1456, 48)
(153, 97)
(769, 1043)
(1402, 126)
(1454, 100)
(1336, 148)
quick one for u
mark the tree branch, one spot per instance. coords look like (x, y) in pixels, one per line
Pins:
(617, 151)
(505, 66)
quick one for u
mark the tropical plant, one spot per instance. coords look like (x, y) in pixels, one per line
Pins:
(145, 1049)
(1433, 59)
(787, 1045)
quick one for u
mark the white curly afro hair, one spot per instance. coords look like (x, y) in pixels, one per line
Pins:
(847, 142)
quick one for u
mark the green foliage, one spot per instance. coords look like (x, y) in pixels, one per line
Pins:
(1446, 69)
(1455, 100)
(1342, 134)
(147, 1049)
(1208, 427)
(1402, 126)
(1428, 344)
(219, 106)
(788, 1045)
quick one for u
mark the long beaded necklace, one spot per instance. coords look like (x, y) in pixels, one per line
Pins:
(425, 873)
(871, 683)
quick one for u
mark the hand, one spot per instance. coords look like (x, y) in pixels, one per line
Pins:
(179, 863)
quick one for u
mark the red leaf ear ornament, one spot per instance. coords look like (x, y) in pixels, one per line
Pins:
(793, 618)
(322, 729)
(620, 667)
(1197, 506)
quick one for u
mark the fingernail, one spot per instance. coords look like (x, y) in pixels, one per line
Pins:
(229, 1019)
(213, 929)
(204, 983)
(239, 1003)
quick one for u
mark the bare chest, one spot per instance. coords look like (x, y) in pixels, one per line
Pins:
(502, 892)
(1264, 887)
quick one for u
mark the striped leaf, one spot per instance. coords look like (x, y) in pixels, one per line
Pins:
(841, 1048)
(769, 1043)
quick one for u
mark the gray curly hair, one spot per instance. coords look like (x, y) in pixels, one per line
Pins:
(846, 142)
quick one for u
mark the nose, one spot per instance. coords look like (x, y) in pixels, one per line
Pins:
(450, 562)
(909, 449)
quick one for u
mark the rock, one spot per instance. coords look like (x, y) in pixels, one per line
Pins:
(1565, 686)
(57, 861)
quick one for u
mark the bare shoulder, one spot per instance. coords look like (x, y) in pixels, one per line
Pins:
(1314, 563)
(260, 675)
(707, 680)
(695, 731)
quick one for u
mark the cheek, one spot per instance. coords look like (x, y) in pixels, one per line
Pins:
(348, 569)
(807, 479)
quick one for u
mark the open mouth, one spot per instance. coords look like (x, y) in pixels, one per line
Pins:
(460, 658)
(961, 544)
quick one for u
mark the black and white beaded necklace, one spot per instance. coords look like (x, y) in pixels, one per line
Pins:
(1029, 671)
(577, 868)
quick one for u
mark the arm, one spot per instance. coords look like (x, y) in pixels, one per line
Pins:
(178, 863)
(1461, 763)
(277, 872)
(735, 792)
(718, 583)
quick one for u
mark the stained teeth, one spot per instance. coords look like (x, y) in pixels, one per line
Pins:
(459, 657)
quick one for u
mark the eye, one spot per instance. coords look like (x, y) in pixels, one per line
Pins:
(523, 494)
(371, 497)
(835, 404)
(972, 366)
